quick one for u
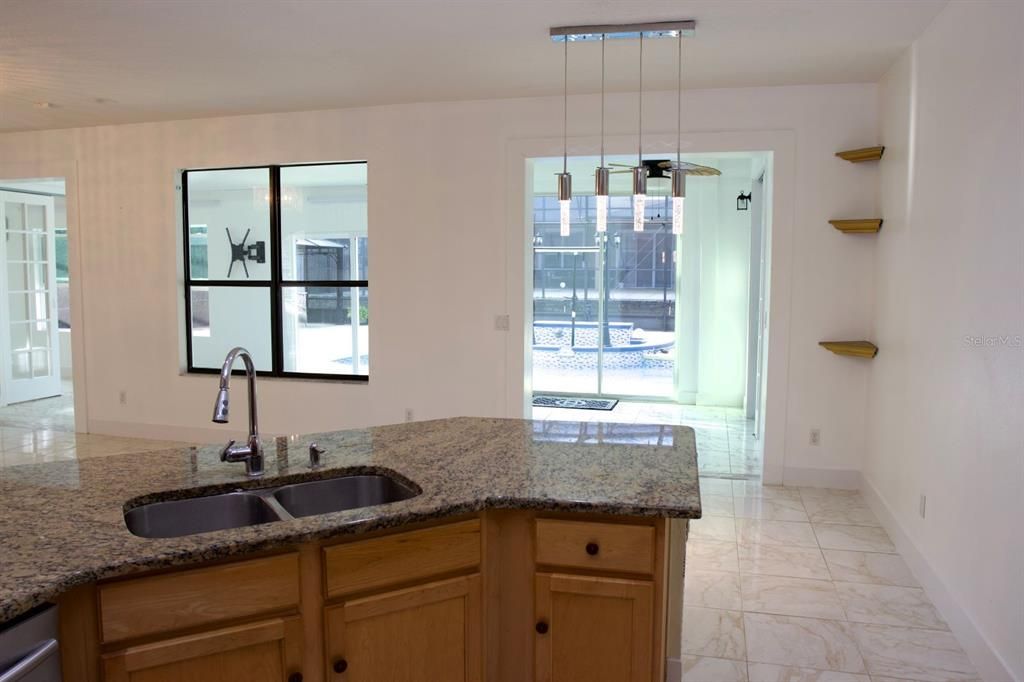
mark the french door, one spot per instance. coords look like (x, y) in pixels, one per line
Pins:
(29, 350)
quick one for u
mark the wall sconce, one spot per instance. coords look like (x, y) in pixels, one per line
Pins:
(743, 201)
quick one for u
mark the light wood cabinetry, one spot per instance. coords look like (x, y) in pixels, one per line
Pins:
(593, 628)
(183, 599)
(402, 557)
(265, 651)
(418, 634)
(462, 600)
(595, 546)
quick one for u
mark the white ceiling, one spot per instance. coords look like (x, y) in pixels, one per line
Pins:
(115, 61)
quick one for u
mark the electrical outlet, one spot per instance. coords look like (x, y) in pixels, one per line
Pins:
(922, 505)
(501, 323)
(408, 414)
(123, 397)
(815, 437)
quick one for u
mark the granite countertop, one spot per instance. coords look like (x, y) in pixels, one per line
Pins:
(62, 523)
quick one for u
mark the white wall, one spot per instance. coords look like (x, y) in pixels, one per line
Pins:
(438, 207)
(945, 414)
(723, 271)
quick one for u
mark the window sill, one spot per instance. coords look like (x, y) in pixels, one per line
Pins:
(361, 379)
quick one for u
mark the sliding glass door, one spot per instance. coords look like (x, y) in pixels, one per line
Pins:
(604, 303)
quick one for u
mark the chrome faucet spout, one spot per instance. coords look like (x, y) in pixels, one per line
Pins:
(251, 453)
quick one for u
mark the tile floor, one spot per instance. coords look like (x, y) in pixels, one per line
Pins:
(44, 431)
(790, 584)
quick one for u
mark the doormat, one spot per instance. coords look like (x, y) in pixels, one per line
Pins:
(574, 403)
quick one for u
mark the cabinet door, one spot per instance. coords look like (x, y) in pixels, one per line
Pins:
(594, 629)
(425, 633)
(267, 651)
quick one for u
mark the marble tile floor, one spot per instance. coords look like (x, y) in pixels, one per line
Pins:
(55, 414)
(44, 431)
(724, 436)
(803, 585)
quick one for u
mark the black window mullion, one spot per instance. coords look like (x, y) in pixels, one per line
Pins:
(276, 273)
(187, 272)
(327, 283)
(275, 286)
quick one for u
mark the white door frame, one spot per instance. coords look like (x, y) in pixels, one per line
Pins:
(778, 233)
(15, 170)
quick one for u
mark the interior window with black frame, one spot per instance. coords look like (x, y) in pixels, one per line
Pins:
(276, 261)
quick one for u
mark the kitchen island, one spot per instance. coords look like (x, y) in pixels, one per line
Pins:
(530, 550)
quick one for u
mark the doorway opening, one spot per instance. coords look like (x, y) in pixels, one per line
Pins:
(36, 389)
(673, 326)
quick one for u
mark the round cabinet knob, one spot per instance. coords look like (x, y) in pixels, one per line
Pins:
(340, 665)
(295, 677)
(542, 627)
(592, 548)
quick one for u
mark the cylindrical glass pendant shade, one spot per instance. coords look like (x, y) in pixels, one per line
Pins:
(677, 215)
(639, 206)
(601, 181)
(564, 200)
(639, 197)
(602, 213)
(678, 197)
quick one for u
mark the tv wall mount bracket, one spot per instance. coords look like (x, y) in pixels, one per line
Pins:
(240, 253)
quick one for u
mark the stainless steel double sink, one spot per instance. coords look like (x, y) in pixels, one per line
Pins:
(176, 518)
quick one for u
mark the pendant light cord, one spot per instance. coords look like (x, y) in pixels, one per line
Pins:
(603, 37)
(565, 107)
(679, 101)
(640, 131)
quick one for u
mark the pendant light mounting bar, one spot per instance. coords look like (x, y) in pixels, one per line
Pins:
(652, 29)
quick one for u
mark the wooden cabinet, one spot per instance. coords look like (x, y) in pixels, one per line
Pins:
(595, 546)
(265, 651)
(391, 560)
(509, 596)
(593, 628)
(195, 597)
(424, 633)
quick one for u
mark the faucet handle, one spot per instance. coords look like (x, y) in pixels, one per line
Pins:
(314, 455)
(227, 449)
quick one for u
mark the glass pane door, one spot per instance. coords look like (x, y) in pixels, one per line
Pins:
(640, 300)
(31, 362)
(565, 318)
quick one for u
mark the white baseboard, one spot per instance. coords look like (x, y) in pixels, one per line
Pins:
(989, 664)
(673, 670)
(846, 479)
(718, 399)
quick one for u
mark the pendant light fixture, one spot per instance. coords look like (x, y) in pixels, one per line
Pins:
(640, 171)
(678, 174)
(603, 32)
(601, 175)
(565, 178)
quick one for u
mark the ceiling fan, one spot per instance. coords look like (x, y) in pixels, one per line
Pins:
(656, 168)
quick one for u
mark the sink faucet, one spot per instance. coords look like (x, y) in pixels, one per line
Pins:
(251, 453)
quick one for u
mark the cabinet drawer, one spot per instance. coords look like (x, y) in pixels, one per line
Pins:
(174, 601)
(366, 564)
(600, 546)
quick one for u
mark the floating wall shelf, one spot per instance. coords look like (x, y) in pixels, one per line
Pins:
(861, 155)
(860, 226)
(857, 349)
